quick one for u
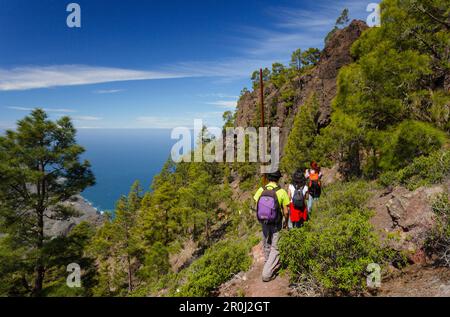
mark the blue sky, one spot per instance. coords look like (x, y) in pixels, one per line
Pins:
(148, 63)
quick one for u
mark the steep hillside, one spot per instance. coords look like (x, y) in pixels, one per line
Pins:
(320, 80)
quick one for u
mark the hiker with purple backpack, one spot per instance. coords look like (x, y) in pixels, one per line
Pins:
(272, 208)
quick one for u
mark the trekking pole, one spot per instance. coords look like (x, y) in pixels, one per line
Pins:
(261, 86)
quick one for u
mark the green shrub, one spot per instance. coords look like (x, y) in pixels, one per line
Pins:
(438, 240)
(215, 267)
(423, 171)
(343, 198)
(336, 246)
(410, 140)
(389, 178)
(336, 254)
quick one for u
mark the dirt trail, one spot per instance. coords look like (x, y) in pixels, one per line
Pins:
(413, 281)
(418, 281)
(250, 284)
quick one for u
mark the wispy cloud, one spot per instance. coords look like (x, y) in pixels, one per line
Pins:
(86, 118)
(161, 122)
(50, 110)
(276, 44)
(288, 28)
(23, 78)
(224, 104)
(238, 67)
(108, 91)
(60, 112)
(217, 95)
(89, 127)
(187, 120)
(295, 27)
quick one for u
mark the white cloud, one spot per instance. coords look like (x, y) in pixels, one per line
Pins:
(86, 118)
(217, 95)
(272, 45)
(108, 91)
(170, 122)
(239, 67)
(289, 29)
(224, 104)
(28, 109)
(161, 122)
(23, 78)
(295, 27)
(89, 127)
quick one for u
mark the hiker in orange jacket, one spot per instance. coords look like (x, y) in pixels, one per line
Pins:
(314, 176)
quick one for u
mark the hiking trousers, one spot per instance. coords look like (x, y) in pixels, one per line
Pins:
(271, 234)
(311, 200)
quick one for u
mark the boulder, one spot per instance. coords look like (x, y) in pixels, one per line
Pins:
(406, 216)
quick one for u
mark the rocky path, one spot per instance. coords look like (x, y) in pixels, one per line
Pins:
(416, 281)
(250, 284)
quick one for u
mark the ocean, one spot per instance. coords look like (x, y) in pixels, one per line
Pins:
(121, 156)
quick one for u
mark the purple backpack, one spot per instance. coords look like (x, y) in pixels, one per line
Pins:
(268, 209)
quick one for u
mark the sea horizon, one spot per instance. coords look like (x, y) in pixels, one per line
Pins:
(119, 157)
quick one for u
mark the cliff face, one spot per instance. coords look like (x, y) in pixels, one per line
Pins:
(321, 80)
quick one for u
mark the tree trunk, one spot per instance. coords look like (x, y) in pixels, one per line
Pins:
(130, 278)
(39, 267)
(166, 221)
(207, 229)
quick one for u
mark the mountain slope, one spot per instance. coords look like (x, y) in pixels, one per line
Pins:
(321, 80)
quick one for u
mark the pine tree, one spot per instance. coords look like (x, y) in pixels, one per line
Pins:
(399, 76)
(301, 140)
(40, 169)
(116, 246)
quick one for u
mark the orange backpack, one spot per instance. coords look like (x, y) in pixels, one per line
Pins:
(314, 185)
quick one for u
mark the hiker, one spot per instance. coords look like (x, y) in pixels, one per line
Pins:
(272, 206)
(314, 176)
(298, 194)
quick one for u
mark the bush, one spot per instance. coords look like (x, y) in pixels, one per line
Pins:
(215, 267)
(410, 140)
(336, 246)
(438, 241)
(343, 198)
(423, 171)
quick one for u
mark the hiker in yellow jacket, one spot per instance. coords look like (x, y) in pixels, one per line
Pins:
(272, 207)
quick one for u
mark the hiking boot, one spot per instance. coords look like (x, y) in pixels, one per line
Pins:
(266, 280)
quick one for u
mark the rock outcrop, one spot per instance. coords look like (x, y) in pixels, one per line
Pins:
(321, 80)
(406, 216)
(63, 227)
